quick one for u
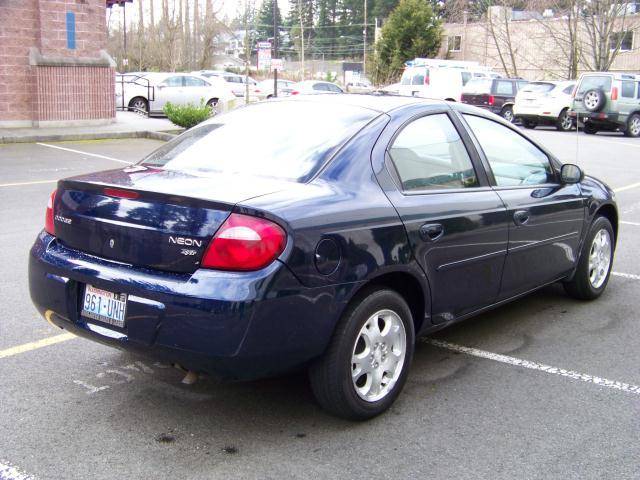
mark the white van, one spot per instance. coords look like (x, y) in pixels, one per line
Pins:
(441, 83)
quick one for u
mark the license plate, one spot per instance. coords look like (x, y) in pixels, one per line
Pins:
(104, 306)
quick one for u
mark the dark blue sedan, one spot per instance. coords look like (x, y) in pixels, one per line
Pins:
(325, 232)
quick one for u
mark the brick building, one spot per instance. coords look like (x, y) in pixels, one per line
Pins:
(535, 52)
(54, 69)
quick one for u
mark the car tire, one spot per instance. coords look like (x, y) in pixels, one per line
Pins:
(507, 113)
(564, 123)
(594, 100)
(530, 124)
(139, 105)
(589, 129)
(358, 345)
(632, 129)
(594, 266)
(213, 105)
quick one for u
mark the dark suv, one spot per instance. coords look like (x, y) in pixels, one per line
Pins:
(495, 94)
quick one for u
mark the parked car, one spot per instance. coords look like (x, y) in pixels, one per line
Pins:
(443, 83)
(264, 89)
(346, 228)
(237, 83)
(495, 94)
(545, 103)
(608, 101)
(393, 89)
(314, 87)
(360, 86)
(151, 92)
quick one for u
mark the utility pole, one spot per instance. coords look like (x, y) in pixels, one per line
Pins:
(275, 46)
(247, 50)
(301, 37)
(124, 22)
(364, 51)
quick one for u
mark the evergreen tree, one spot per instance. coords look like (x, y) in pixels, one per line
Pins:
(411, 31)
(264, 22)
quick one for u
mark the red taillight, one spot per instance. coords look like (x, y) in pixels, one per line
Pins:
(573, 92)
(491, 100)
(244, 243)
(119, 193)
(295, 92)
(614, 93)
(426, 79)
(49, 226)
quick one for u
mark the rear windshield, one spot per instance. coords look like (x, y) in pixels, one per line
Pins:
(539, 87)
(478, 85)
(592, 81)
(286, 140)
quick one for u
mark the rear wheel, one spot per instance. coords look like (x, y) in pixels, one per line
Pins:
(589, 129)
(564, 122)
(368, 359)
(633, 126)
(594, 266)
(526, 123)
(507, 113)
(213, 106)
(139, 105)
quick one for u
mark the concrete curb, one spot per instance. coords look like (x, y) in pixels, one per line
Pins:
(68, 137)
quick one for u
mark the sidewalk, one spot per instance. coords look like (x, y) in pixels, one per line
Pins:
(127, 125)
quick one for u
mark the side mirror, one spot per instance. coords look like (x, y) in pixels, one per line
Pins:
(571, 173)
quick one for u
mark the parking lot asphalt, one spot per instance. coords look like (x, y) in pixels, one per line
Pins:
(78, 410)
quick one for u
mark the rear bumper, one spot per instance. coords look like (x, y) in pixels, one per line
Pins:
(599, 118)
(237, 326)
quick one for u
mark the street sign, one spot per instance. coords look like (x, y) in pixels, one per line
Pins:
(264, 55)
(277, 64)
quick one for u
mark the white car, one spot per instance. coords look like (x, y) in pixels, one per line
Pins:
(545, 102)
(360, 86)
(264, 89)
(314, 87)
(237, 83)
(442, 83)
(149, 93)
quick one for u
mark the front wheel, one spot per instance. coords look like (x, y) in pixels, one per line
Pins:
(213, 106)
(594, 266)
(507, 113)
(564, 122)
(139, 105)
(633, 126)
(368, 359)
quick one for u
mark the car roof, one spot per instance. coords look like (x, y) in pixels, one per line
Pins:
(378, 103)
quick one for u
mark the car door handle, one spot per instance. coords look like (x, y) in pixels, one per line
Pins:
(521, 217)
(430, 232)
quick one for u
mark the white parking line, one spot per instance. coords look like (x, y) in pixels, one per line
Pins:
(9, 472)
(84, 153)
(635, 224)
(626, 187)
(518, 362)
(630, 276)
(37, 182)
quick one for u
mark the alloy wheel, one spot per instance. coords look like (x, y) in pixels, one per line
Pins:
(378, 355)
(599, 258)
(634, 126)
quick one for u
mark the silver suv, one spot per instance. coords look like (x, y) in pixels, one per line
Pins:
(608, 101)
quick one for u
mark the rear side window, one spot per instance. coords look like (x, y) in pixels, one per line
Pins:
(288, 140)
(466, 76)
(539, 87)
(172, 82)
(320, 86)
(514, 160)
(569, 89)
(602, 82)
(628, 89)
(429, 154)
(194, 82)
(504, 87)
(418, 78)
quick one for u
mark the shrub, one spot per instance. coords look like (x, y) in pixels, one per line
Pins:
(187, 116)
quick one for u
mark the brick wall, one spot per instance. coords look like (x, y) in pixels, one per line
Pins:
(64, 84)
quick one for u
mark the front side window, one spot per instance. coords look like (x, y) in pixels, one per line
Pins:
(194, 82)
(429, 154)
(172, 82)
(514, 160)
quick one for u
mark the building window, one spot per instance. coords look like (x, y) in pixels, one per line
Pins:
(454, 42)
(621, 40)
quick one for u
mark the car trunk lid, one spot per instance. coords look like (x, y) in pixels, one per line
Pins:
(149, 217)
